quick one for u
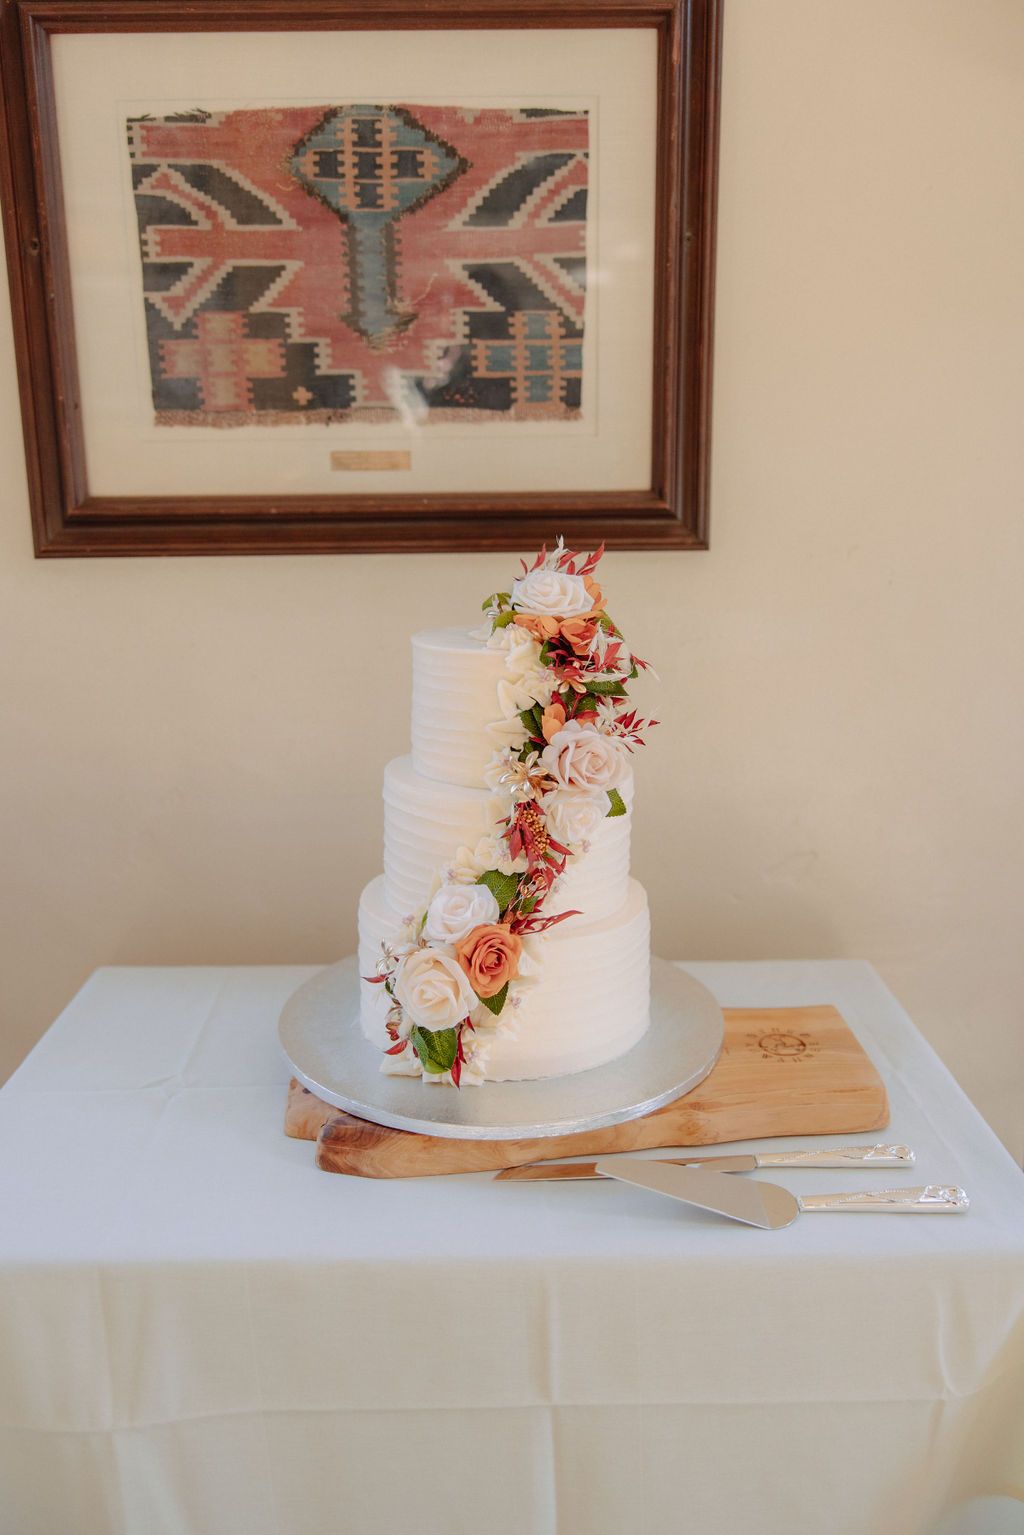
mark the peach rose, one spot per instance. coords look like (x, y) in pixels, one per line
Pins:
(490, 956)
(580, 757)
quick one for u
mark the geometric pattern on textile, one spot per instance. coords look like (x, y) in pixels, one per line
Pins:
(362, 262)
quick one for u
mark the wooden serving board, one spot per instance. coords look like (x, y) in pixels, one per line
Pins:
(782, 1071)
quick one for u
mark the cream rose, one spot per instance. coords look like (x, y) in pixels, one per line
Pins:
(528, 680)
(552, 592)
(433, 989)
(573, 815)
(456, 910)
(580, 757)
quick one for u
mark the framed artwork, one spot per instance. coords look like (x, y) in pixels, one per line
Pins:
(361, 275)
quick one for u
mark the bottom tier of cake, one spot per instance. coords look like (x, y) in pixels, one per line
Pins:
(590, 1004)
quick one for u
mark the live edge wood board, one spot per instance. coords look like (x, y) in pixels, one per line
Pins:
(782, 1071)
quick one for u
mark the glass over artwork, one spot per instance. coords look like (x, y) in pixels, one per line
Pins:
(372, 263)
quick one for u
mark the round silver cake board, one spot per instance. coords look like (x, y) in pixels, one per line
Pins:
(329, 1054)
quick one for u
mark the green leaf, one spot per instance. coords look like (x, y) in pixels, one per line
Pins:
(496, 600)
(497, 1002)
(617, 803)
(613, 688)
(435, 1047)
(502, 621)
(503, 887)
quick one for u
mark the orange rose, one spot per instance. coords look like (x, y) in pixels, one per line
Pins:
(552, 720)
(540, 625)
(490, 956)
(579, 632)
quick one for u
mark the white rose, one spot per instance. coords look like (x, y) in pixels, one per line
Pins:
(528, 681)
(433, 989)
(552, 592)
(523, 651)
(470, 862)
(456, 910)
(506, 733)
(573, 815)
(580, 757)
(525, 690)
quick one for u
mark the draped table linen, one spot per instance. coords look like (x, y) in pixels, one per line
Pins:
(202, 1334)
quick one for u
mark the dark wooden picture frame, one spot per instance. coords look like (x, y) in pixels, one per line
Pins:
(672, 513)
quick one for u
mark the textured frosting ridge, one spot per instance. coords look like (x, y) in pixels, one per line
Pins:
(454, 699)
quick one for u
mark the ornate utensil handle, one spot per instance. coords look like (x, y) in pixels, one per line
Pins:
(932, 1199)
(840, 1156)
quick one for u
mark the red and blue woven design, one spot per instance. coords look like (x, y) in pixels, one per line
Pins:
(362, 262)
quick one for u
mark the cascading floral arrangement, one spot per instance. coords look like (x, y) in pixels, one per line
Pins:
(456, 974)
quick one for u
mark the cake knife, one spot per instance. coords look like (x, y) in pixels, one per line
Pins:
(742, 1162)
(769, 1205)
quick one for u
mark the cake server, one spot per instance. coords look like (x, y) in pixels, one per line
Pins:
(768, 1204)
(741, 1162)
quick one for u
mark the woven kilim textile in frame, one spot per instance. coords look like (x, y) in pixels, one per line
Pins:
(362, 263)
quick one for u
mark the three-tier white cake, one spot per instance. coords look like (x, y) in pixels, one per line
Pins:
(565, 993)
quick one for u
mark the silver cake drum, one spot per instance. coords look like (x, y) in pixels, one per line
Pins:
(328, 1053)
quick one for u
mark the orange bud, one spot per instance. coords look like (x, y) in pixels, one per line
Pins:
(552, 720)
(596, 595)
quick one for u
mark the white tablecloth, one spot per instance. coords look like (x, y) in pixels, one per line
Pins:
(201, 1334)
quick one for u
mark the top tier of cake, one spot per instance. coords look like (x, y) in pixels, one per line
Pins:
(454, 698)
(435, 800)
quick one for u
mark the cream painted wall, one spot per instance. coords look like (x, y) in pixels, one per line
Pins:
(192, 761)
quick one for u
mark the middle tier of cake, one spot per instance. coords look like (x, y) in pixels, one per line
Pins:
(426, 822)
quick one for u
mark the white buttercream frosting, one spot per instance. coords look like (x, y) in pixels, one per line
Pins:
(454, 698)
(425, 823)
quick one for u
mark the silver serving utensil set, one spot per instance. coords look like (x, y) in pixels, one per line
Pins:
(705, 1181)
